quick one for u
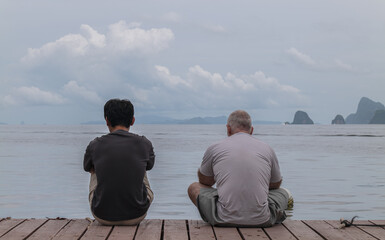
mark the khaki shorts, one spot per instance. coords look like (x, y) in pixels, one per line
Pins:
(94, 183)
(207, 206)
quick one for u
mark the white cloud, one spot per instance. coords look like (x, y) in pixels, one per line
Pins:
(122, 38)
(70, 45)
(93, 37)
(170, 80)
(207, 90)
(33, 96)
(301, 57)
(73, 88)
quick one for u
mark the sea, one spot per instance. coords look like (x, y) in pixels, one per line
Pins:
(332, 171)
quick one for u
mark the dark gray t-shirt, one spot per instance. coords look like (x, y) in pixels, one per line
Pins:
(243, 167)
(120, 160)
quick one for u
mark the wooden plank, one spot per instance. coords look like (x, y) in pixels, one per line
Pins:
(96, 231)
(327, 231)
(199, 230)
(73, 230)
(49, 229)
(377, 232)
(278, 231)
(175, 230)
(8, 224)
(300, 230)
(123, 232)
(25, 229)
(149, 230)
(378, 222)
(352, 231)
(226, 233)
(253, 233)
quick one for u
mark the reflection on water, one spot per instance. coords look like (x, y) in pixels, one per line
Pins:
(332, 171)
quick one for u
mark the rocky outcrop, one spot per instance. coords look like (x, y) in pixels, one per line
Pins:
(301, 117)
(379, 117)
(338, 120)
(365, 111)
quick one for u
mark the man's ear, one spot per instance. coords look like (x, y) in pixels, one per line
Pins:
(133, 120)
(228, 130)
(251, 131)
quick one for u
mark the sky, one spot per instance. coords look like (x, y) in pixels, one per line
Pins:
(60, 61)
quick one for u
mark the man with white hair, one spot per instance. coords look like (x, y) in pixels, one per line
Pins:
(247, 177)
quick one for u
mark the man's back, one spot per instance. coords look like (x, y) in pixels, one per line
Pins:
(120, 160)
(242, 167)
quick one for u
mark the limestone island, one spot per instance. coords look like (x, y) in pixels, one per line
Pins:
(339, 119)
(301, 117)
(366, 111)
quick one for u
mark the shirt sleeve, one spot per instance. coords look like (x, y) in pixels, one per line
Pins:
(275, 170)
(151, 160)
(206, 167)
(87, 163)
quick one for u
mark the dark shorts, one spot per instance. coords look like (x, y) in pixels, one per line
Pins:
(207, 206)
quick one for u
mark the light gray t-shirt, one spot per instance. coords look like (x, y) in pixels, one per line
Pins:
(243, 167)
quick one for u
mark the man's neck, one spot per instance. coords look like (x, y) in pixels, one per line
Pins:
(118, 127)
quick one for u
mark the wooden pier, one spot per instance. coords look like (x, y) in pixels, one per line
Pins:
(155, 229)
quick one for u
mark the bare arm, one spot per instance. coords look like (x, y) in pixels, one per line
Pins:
(205, 180)
(275, 185)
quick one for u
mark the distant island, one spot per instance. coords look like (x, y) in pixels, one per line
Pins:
(193, 121)
(301, 117)
(339, 119)
(366, 111)
(378, 118)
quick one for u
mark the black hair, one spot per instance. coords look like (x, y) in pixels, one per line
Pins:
(119, 112)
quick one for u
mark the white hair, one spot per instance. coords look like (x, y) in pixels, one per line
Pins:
(239, 120)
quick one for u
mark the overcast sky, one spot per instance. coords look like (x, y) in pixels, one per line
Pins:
(61, 60)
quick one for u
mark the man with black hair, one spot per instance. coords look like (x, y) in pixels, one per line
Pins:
(120, 193)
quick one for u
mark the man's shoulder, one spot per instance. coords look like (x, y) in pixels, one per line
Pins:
(139, 137)
(218, 143)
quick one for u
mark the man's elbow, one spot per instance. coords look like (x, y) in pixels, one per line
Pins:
(275, 185)
(205, 180)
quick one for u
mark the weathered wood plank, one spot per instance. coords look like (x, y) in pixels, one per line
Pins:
(175, 230)
(352, 231)
(123, 232)
(253, 233)
(377, 232)
(222, 233)
(279, 232)
(149, 230)
(199, 230)
(8, 224)
(73, 230)
(33, 229)
(378, 222)
(49, 229)
(300, 230)
(327, 231)
(24, 229)
(96, 231)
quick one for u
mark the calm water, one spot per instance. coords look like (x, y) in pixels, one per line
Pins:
(332, 171)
